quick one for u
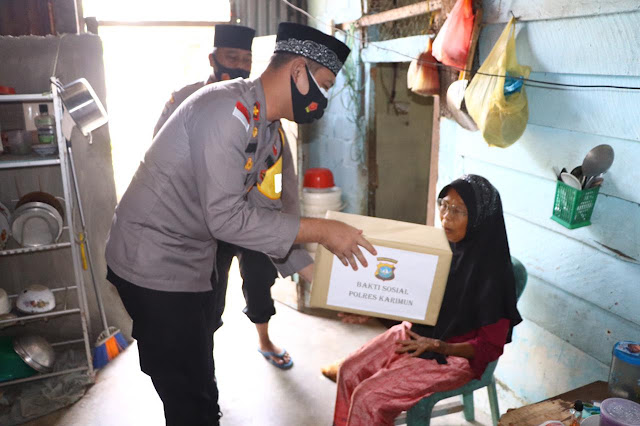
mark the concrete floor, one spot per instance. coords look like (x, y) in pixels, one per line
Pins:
(252, 392)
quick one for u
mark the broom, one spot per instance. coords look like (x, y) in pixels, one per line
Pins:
(111, 341)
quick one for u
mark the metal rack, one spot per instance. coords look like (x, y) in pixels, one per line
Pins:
(62, 159)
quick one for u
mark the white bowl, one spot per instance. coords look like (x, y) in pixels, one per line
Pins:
(36, 299)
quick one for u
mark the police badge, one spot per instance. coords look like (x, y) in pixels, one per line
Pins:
(386, 269)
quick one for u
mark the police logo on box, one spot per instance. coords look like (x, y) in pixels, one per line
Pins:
(386, 269)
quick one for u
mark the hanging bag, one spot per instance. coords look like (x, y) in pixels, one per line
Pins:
(500, 110)
(451, 46)
(422, 77)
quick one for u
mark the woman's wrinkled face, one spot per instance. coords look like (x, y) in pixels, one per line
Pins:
(454, 216)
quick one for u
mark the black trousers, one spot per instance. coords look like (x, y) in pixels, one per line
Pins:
(174, 331)
(258, 276)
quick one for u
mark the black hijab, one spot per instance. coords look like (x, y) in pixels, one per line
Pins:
(481, 285)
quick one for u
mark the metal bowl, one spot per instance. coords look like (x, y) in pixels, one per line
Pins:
(83, 105)
(36, 352)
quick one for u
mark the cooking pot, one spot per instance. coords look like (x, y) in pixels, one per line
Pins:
(83, 105)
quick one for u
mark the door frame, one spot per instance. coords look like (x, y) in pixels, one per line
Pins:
(370, 72)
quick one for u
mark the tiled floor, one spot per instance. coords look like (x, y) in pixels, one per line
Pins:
(252, 392)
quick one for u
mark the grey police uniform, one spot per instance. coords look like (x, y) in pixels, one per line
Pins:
(195, 186)
(177, 98)
(257, 270)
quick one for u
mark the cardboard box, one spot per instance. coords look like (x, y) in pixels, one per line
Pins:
(405, 281)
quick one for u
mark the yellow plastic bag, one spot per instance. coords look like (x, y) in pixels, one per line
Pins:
(501, 119)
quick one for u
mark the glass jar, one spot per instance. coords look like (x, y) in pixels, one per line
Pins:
(624, 376)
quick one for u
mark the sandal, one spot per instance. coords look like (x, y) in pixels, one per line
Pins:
(268, 356)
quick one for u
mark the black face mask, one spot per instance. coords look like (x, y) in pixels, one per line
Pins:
(220, 70)
(309, 107)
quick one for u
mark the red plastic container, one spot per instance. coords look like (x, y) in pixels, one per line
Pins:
(5, 90)
(318, 178)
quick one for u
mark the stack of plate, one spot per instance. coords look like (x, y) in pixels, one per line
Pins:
(5, 230)
(37, 223)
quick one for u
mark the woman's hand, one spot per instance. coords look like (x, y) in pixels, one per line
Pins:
(417, 345)
(353, 318)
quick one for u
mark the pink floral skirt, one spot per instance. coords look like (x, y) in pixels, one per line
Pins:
(375, 384)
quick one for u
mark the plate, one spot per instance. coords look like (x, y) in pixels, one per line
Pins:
(5, 229)
(35, 227)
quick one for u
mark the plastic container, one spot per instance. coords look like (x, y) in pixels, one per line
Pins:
(19, 142)
(46, 125)
(316, 202)
(573, 208)
(624, 375)
(318, 178)
(619, 412)
(12, 367)
(322, 197)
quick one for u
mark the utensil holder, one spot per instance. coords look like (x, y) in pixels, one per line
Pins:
(572, 208)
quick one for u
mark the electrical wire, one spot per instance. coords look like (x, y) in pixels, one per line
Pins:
(459, 69)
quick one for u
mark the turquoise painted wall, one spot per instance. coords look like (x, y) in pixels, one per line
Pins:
(337, 141)
(583, 290)
(583, 293)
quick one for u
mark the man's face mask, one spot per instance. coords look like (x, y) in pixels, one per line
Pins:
(220, 70)
(309, 107)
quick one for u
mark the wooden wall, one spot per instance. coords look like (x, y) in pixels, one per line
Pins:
(582, 295)
(37, 17)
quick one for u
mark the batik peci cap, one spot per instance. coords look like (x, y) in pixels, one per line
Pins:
(313, 44)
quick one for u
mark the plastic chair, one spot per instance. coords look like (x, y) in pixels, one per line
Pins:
(420, 414)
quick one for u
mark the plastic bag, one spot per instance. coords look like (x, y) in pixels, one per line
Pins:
(502, 118)
(422, 77)
(451, 46)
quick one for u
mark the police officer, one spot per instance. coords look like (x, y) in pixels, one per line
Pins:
(231, 58)
(217, 170)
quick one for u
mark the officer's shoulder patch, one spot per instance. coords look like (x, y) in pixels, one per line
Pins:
(241, 113)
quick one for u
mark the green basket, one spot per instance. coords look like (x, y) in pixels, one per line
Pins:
(573, 208)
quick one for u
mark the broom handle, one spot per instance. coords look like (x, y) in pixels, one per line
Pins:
(86, 241)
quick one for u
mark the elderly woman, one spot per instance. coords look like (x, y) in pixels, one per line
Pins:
(392, 372)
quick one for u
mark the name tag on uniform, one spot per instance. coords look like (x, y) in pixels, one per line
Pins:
(277, 180)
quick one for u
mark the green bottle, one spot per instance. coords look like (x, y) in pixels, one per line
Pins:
(46, 126)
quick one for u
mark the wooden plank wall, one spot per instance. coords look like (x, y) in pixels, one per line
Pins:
(582, 295)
